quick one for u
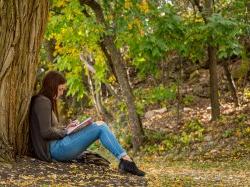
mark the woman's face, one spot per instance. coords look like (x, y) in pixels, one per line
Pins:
(60, 89)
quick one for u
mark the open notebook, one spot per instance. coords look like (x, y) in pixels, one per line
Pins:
(76, 128)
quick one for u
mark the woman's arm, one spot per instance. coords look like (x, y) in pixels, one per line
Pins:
(43, 111)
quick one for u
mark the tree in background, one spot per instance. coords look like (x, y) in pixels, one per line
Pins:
(213, 34)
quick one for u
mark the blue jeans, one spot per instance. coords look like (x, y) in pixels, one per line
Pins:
(74, 144)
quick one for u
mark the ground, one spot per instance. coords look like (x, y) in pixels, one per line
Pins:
(160, 172)
(32, 172)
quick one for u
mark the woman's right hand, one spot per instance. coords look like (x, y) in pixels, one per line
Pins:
(72, 123)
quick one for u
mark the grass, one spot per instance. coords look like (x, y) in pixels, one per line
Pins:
(162, 172)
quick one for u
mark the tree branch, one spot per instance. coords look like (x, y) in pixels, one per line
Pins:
(96, 8)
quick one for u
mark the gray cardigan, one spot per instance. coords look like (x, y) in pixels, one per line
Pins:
(42, 127)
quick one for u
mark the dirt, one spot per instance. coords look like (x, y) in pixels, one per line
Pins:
(28, 171)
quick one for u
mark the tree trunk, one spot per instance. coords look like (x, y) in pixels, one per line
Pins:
(137, 131)
(207, 12)
(214, 91)
(118, 63)
(179, 96)
(21, 29)
(214, 94)
(109, 59)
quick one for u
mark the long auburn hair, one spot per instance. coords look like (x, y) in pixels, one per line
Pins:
(49, 88)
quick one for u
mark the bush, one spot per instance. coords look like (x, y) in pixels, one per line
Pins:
(192, 131)
(157, 95)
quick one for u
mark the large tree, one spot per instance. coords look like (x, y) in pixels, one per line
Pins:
(22, 26)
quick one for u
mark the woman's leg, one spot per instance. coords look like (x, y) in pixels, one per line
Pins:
(73, 145)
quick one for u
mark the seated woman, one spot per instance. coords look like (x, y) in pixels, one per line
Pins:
(52, 143)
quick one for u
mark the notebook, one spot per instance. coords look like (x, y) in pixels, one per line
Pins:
(81, 125)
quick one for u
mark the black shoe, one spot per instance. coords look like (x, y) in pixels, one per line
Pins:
(130, 167)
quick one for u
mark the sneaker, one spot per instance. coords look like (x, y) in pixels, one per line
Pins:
(126, 166)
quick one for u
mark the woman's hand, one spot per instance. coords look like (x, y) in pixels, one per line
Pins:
(72, 124)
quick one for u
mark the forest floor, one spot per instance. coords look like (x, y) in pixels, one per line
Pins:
(160, 172)
(32, 172)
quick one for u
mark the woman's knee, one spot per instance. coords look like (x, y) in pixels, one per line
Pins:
(100, 123)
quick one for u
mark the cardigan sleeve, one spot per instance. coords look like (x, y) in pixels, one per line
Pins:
(43, 111)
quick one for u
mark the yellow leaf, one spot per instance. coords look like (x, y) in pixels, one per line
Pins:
(128, 4)
(130, 26)
(144, 6)
(238, 133)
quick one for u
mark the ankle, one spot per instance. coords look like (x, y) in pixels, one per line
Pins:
(126, 157)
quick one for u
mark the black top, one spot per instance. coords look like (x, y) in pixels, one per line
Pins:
(42, 127)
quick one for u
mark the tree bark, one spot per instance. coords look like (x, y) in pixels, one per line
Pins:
(22, 26)
(118, 63)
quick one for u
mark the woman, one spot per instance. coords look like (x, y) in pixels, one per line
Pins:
(52, 143)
